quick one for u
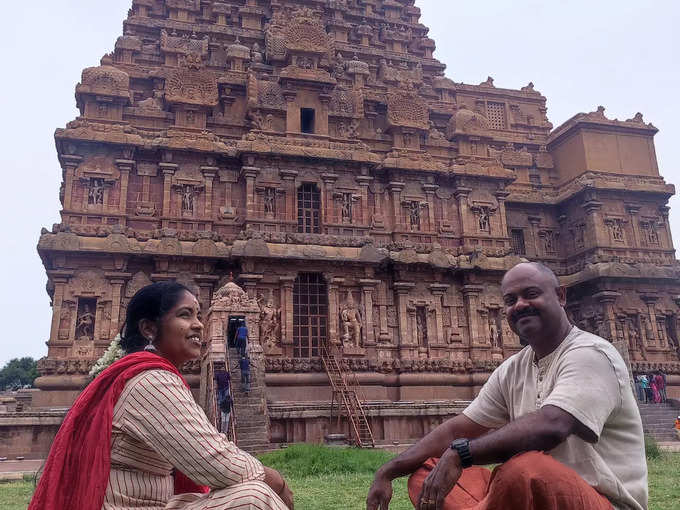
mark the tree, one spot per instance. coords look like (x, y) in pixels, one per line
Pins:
(18, 372)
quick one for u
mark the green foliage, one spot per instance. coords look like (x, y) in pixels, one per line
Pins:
(18, 372)
(652, 450)
(16, 495)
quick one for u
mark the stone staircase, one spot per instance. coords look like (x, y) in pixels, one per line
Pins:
(658, 421)
(250, 409)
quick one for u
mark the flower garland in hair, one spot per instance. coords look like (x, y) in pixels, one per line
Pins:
(113, 353)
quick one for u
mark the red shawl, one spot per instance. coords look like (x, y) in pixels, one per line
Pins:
(77, 469)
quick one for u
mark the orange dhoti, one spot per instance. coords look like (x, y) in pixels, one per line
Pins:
(530, 481)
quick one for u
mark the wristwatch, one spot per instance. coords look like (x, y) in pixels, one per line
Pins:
(462, 446)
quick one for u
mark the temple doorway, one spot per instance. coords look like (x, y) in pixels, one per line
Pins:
(234, 322)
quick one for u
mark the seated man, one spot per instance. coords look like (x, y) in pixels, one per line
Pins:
(560, 415)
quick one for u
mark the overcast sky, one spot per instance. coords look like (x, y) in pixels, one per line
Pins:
(622, 54)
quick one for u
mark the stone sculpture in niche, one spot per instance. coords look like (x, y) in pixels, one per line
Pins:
(270, 323)
(484, 223)
(494, 334)
(347, 207)
(95, 195)
(635, 339)
(350, 316)
(85, 324)
(269, 201)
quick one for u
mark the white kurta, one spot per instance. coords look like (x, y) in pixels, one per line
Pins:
(157, 426)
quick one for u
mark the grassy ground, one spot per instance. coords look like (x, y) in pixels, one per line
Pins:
(338, 479)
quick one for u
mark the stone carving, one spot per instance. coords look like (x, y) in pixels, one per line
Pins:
(85, 324)
(306, 33)
(635, 339)
(104, 81)
(185, 44)
(350, 318)
(467, 122)
(616, 229)
(191, 84)
(95, 193)
(269, 197)
(406, 109)
(270, 323)
(232, 296)
(483, 219)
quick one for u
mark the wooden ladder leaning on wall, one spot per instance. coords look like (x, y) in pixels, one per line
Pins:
(347, 392)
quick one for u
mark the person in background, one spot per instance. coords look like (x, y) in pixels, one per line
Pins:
(661, 385)
(242, 338)
(677, 427)
(224, 401)
(639, 391)
(244, 365)
(644, 382)
(656, 396)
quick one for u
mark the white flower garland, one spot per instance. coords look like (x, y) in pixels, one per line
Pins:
(112, 354)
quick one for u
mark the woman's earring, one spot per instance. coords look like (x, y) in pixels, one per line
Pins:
(150, 347)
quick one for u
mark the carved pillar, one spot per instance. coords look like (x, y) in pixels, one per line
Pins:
(288, 177)
(594, 223)
(367, 287)
(209, 173)
(384, 335)
(60, 283)
(328, 202)
(650, 332)
(250, 282)
(607, 299)
(364, 181)
(125, 166)
(471, 298)
(333, 334)
(534, 222)
(501, 196)
(633, 210)
(250, 173)
(168, 170)
(461, 193)
(286, 287)
(429, 194)
(438, 291)
(117, 283)
(406, 337)
(395, 189)
(70, 163)
(664, 210)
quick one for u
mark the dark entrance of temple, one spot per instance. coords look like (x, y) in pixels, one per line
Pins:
(310, 315)
(234, 322)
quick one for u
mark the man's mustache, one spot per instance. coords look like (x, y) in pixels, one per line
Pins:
(527, 312)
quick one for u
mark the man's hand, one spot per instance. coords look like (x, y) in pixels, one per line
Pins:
(440, 481)
(277, 483)
(380, 493)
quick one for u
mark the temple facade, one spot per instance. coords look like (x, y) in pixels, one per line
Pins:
(311, 157)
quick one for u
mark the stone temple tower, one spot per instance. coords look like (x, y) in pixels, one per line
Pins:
(368, 204)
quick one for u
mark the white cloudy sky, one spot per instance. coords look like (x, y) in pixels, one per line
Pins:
(622, 54)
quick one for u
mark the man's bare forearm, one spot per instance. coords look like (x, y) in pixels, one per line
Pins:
(542, 431)
(432, 445)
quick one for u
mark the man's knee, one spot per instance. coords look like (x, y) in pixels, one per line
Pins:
(527, 466)
(255, 495)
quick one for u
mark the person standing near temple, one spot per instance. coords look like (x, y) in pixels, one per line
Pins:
(661, 385)
(677, 427)
(244, 365)
(242, 338)
(644, 382)
(224, 400)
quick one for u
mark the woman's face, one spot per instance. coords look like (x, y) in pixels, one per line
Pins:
(181, 331)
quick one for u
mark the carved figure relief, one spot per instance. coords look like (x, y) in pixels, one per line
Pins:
(95, 194)
(650, 234)
(351, 320)
(421, 325)
(483, 219)
(85, 321)
(269, 198)
(270, 323)
(413, 208)
(635, 339)
(347, 200)
(549, 241)
(188, 199)
(616, 229)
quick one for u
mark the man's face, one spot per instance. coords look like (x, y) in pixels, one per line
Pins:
(533, 303)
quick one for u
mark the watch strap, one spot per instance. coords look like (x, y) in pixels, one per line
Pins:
(462, 446)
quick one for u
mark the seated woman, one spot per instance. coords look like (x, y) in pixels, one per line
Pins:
(136, 439)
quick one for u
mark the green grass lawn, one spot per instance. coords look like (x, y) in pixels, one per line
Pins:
(338, 479)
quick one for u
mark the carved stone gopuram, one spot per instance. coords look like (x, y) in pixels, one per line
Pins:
(361, 199)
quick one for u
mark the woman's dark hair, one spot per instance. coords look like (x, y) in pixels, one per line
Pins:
(151, 302)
